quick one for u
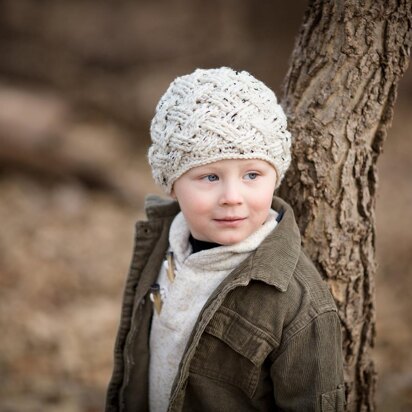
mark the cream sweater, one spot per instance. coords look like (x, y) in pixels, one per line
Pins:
(197, 276)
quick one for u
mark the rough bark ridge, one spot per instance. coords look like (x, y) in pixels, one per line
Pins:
(339, 96)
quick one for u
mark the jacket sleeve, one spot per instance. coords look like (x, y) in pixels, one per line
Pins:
(307, 372)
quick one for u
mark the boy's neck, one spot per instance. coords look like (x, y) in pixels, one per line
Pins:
(199, 245)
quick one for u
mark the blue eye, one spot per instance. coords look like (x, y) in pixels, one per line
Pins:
(212, 178)
(251, 176)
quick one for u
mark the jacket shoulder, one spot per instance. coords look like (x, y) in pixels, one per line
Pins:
(309, 297)
(157, 207)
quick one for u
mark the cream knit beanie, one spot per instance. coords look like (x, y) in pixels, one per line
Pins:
(212, 115)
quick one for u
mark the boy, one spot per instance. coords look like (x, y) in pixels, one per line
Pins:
(236, 318)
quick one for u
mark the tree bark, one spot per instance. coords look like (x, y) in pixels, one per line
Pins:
(339, 96)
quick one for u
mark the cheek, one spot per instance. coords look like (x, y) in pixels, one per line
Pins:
(262, 204)
(202, 206)
(196, 206)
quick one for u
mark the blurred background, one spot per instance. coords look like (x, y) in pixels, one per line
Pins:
(79, 81)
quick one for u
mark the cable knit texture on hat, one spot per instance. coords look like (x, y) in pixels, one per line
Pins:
(216, 114)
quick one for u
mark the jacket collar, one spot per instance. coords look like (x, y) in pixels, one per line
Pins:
(274, 261)
(158, 207)
(276, 258)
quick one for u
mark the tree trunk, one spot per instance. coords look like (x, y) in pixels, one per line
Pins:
(339, 97)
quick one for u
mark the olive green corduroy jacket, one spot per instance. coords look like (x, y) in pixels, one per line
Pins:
(267, 339)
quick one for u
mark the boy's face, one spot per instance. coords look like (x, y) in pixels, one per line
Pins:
(226, 201)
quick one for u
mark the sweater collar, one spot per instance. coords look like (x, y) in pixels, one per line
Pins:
(219, 258)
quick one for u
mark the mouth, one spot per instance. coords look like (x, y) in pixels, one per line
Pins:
(230, 221)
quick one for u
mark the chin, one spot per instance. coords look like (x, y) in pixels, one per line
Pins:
(225, 241)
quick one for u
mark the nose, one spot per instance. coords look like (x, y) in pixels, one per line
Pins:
(231, 194)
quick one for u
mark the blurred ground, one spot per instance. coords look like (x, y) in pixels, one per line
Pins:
(77, 90)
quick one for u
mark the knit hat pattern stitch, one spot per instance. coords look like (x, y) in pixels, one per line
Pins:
(216, 114)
